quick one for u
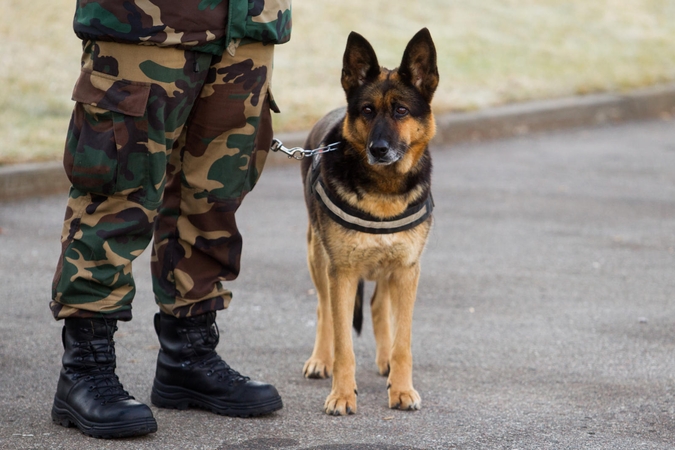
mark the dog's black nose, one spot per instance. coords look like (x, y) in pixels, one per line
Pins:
(378, 148)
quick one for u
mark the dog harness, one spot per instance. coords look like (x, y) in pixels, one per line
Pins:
(355, 219)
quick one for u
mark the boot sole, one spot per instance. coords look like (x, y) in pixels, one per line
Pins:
(172, 397)
(63, 415)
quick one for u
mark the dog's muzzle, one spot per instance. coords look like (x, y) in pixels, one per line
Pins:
(381, 153)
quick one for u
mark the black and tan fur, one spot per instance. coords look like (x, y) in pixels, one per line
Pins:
(382, 167)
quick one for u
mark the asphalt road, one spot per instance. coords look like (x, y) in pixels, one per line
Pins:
(545, 316)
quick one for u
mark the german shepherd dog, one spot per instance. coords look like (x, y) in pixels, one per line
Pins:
(369, 206)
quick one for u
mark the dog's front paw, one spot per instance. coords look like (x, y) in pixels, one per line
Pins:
(408, 400)
(340, 405)
(317, 368)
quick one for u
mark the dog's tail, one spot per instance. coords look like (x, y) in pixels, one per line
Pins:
(358, 309)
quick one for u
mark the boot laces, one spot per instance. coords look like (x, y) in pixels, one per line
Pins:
(217, 366)
(98, 366)
(204, 343)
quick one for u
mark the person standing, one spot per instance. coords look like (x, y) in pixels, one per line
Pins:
(169, 132)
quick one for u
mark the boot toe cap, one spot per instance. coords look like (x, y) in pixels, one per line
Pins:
(253, 392)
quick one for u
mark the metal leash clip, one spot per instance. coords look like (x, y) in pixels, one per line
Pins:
(295, 152)
(298, 152)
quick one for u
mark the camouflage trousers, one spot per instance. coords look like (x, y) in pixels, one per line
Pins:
(166, 143)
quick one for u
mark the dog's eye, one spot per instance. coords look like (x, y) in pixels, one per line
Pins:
(367, 110)
(401, 110)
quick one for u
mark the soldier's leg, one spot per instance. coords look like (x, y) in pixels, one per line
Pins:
(197, 243)
(132, 103)
(218, 161)
(122, 129)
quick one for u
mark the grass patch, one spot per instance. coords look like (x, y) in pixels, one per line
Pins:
(491, 52)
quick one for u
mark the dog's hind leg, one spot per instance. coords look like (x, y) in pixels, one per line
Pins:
(381, 315)
(320, 364)
(403, 285)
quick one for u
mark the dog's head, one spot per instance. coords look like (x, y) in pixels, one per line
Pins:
(389, 115)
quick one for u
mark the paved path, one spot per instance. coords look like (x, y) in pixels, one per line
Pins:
(545, 317)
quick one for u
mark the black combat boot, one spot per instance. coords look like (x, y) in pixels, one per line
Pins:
(190, 372)
(89, 395)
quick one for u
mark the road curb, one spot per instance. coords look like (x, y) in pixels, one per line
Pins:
(35, 179)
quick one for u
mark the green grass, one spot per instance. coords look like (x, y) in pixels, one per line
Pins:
(491, 52)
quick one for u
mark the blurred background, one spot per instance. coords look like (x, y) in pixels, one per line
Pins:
(491, 52)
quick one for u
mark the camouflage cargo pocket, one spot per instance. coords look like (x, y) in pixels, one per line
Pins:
(107, 144)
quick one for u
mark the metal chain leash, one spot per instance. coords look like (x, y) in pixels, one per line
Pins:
(298, 152)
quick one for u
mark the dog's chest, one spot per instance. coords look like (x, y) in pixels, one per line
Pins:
(376, 255)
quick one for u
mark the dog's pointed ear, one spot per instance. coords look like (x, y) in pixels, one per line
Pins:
(418, 66)
(359, 63)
